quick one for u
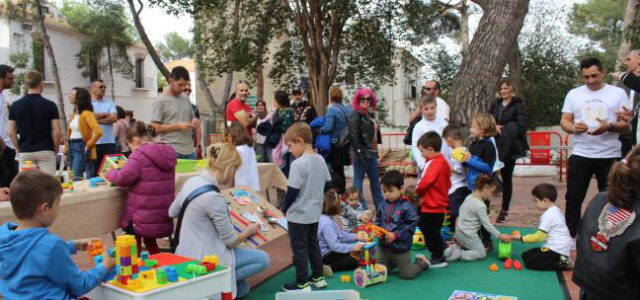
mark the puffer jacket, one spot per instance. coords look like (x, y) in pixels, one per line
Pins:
(512, 142)
(362, 129)
(400, 218)
(150, 175)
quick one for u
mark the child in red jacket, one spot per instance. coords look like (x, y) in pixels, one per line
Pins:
(433, 190)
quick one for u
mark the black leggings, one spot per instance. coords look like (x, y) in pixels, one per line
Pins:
(507, 183)
(340, 261)
(537, 259)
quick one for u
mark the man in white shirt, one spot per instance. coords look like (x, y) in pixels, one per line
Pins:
(631, 112)
(8, 165)
(590, 114)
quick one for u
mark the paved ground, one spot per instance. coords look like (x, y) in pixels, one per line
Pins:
(522, 213)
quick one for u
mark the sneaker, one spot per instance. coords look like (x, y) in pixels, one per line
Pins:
(503, 217)
(573, 244)
(566, 263)
(422, 261)
(455, 253)
(288, 287)
(438, 263)
(318, 282)
(327, 271)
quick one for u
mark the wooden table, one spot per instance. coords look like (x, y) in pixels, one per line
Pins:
(97, 211)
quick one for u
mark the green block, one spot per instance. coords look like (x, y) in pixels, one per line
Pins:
(151, 263)
(162, 277)
(134, 251)
(197, 270)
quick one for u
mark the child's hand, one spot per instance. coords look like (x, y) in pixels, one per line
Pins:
(467, 156)
(108, 261)
(505, 238)
(361, 239)
(366, 216)
(81, 245)
(357, 247)
(516, 237)
(253, 228)
(390, 237)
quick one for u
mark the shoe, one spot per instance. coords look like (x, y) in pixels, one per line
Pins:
(438, 263)
(503, 217)
(318, 282)
(327, 271)
(455, 253)
(573, 244)
(288, 287)
(422, 261)
(566, 263)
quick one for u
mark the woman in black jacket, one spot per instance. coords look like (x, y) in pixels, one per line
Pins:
(364, 134)
(511, 117)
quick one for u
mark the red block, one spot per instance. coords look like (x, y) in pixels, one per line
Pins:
(134, 269)
(227, 296)
(517, 265)
(124, 279)
(210, 266)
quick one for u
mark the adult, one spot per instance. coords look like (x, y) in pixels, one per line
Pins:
(442, 108)
(197, 128)
(8, 165)
(129, 116)
(632, 63)
(173, 115)
(282, 118)
(104, 110)
(589, 113)
(206, 226)
(239, 111)
(335, 124)
(305, 112)
(364, 133)
(121, 127)
(37, 121)
(83, 133)
(262, 150)
(608, 264)
(511, 118)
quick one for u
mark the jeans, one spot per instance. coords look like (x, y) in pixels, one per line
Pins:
(45, 160)
(306, 250)
(77, 158)
(370, 167)
(187, 156)
(581, 170)
(102, 150)
(248, 262)
(264, 153)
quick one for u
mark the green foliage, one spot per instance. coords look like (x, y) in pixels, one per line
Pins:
(174, 47)
(106, 25)
(444, 66)
(20, 61)
(289, 64)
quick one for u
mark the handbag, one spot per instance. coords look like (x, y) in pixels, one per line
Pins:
(408, 137)
(194, 194)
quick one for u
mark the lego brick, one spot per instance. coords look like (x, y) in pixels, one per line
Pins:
(125, 261)
(97, 260)
(126, 270)
(111, 252)
(211, 259)
(210, 266)
(150, 263)
(172, 274)
(125, 251)
(144, 255)
(134, 269)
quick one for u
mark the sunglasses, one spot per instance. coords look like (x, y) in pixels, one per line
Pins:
(187, 90)
(591, 76)
(368, 99)
(103, 86)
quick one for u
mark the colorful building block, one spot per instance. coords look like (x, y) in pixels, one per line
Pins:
(210, 266)
(345, 278)
(196, 270)
(97, 260)
(151, 263)
(211, 259)
(161, 276)
(125, 261)
(172, 274)
(148, 276)
(112, 252)
(144, 256)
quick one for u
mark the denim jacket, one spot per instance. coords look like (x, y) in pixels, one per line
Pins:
(336, 120)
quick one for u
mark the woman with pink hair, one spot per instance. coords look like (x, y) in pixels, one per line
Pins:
(364, 134)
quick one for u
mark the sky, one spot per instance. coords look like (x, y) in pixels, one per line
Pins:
(158, 23)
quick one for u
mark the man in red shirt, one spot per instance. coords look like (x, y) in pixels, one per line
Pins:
(239, 111)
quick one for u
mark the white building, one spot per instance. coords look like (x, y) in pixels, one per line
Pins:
(17, 37)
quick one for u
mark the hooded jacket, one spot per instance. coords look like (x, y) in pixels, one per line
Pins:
(400, 218)
(150, 175)
(35, 264)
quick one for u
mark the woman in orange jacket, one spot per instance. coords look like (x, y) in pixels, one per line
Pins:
(83, 132)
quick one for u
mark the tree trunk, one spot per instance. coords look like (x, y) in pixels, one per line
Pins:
(113, 81)
(629, 18)
(54, 68)
(515, 68)
(227, 87)
(464, 26)
(484, 63)
(260, 83)
(145, 39)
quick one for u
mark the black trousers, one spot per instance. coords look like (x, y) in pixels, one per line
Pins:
(455, 201)
(8, 167)
(306, 250)
(430, 224)
(101, 151)
(340, 261)
(507, 183)
(536, 259)
(581, 170)
(336, 161)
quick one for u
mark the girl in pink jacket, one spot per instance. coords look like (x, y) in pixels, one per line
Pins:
(150, 175)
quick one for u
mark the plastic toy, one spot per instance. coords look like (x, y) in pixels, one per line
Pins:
(494, 267)
(508, 263)
(127, 262)
(517, 265)
(96, 181)
(345, 278)
(369, 272)
(172, 274)
(196, 270)
(150, 263)
(445, 231)
(109, 162)
(418, 240)
(459, 153)
(94, 250)
(211, 259)
(504, 250)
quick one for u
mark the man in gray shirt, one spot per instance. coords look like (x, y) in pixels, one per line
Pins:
(173, 115)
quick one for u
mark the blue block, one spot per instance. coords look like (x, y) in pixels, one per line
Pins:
(97, 260)
(144, 255)
(172, 274)
(135, 276)
(112, 252)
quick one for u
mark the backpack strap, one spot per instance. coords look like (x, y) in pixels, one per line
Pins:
(194, 194)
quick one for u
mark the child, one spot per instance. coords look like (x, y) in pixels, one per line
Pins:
(352, 211)
(309, 178)
(481, 158)
(459, 190)
(335, 244)
(247, 174)
(398, 216)
(428, 123)
(554, 254)
(150, 175)
(433, 190)
(34, 263)
(473, 215)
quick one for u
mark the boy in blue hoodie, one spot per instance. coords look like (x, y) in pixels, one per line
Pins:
(34, 263)
(398, 216)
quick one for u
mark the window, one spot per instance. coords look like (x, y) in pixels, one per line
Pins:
(37, 48)
(140, 73)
